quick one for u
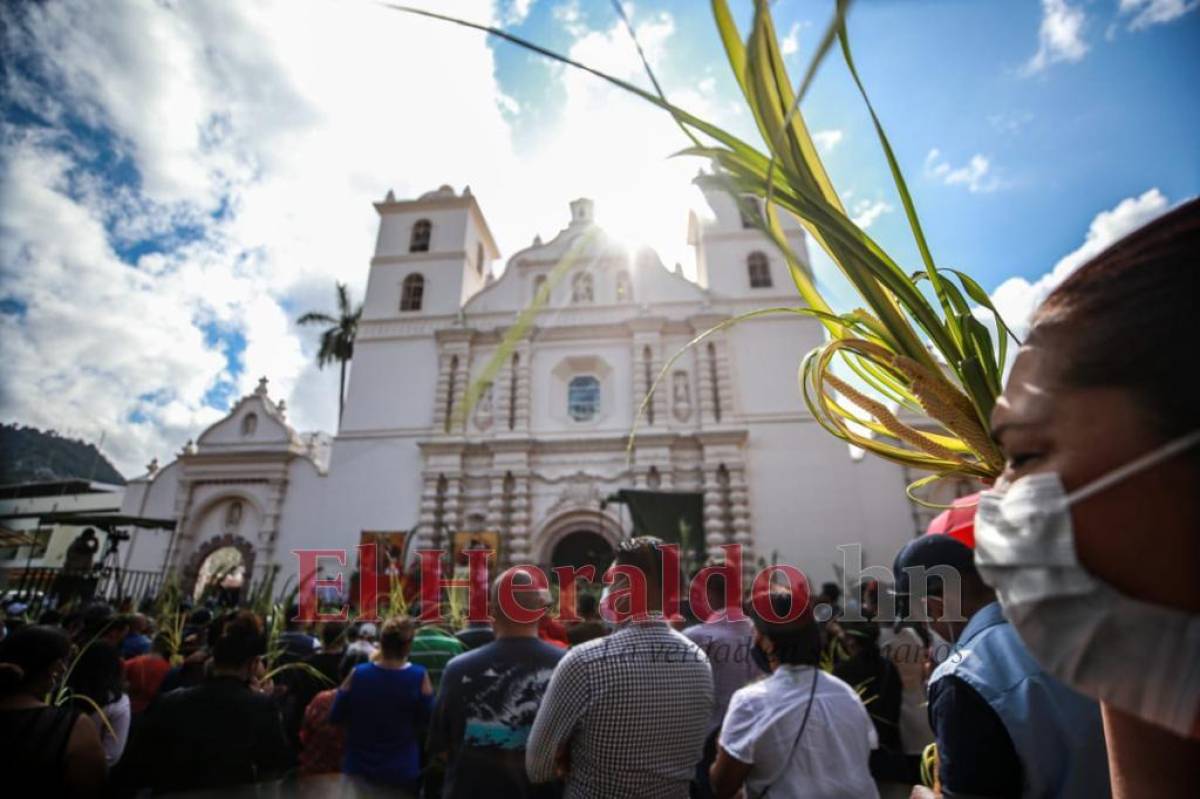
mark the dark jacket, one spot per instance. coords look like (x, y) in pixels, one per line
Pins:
(214, 735)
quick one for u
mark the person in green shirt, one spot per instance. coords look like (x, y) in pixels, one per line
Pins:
(433, 646)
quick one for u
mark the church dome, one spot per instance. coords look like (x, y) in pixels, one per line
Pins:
(445, 191)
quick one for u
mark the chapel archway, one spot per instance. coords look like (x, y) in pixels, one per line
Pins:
(214, 557)
(222, 575)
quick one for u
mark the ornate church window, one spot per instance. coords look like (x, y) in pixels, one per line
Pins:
(583, 398)
(412, 292)
(421, 231)
(479, 259)
(581, 288)
(538, 282)
(759, 269)
(249, 424)
(624, 287)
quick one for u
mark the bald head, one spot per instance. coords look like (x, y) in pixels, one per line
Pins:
(516, 595)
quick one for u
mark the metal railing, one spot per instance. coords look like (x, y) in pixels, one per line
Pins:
(43, 588)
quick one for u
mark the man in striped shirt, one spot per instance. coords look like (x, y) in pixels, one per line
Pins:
(433, 647)
(626, 715)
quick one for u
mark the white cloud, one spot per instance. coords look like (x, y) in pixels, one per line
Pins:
(976, 175)
(518, 11)
(791, 42)
(1060, 36)
(1017, 298)
(1155, 12)
(866, 212)
(570, 16)
(826, 140)
(1010, 122)
(286, 126)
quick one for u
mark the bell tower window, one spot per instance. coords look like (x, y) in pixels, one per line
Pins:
(412, 292)
(759, 270)
(421, 232)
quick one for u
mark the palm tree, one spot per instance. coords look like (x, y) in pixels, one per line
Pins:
(337, 340)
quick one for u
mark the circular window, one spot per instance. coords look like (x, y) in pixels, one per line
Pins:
(583, 398)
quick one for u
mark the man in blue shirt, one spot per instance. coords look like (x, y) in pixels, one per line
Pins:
(488, 699)
(1004, 728)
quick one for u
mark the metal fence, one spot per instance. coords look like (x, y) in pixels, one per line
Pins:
(43, 588)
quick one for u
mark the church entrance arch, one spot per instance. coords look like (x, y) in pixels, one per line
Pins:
(582, 548)
(578, 537)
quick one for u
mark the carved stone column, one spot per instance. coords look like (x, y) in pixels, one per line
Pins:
(704, 385)
(269, 533)
(441, 391)
(739, 511)
(724, 392)
(714, 510)
(522, 404)
(428, 519)
(495, 515)
(452, 507)
(519, 518)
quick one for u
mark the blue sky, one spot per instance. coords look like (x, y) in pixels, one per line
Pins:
(1062, 143)
(179, 182)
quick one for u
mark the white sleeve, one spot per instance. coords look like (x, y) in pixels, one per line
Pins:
(118, 715)
(738, 731)
(872, 733)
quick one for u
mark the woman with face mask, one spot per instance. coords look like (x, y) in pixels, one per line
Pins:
(1091, 537)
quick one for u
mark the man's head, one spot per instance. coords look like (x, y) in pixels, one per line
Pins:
(32, 660)
(395, 639)
(645, 555)
(368, 632)
(101, 623)
(333, 635)
(527, 592)
(937, 574)
(796, 641)
(587, 605)
(292, 620)
(240, 645)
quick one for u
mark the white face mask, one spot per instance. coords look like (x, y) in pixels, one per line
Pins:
(1135, 656)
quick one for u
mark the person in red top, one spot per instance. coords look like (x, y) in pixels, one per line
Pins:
(550, 631)
(322, 743)
(144, 674)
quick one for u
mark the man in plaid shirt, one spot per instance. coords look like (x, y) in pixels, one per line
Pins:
(626, 715)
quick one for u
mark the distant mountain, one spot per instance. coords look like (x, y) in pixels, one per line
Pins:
(28, 454)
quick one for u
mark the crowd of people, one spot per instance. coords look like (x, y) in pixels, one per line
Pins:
(1055, 659)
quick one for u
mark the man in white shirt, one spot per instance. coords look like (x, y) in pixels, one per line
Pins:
(800, 732)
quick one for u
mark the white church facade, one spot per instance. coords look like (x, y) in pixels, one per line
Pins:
(546, 441)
